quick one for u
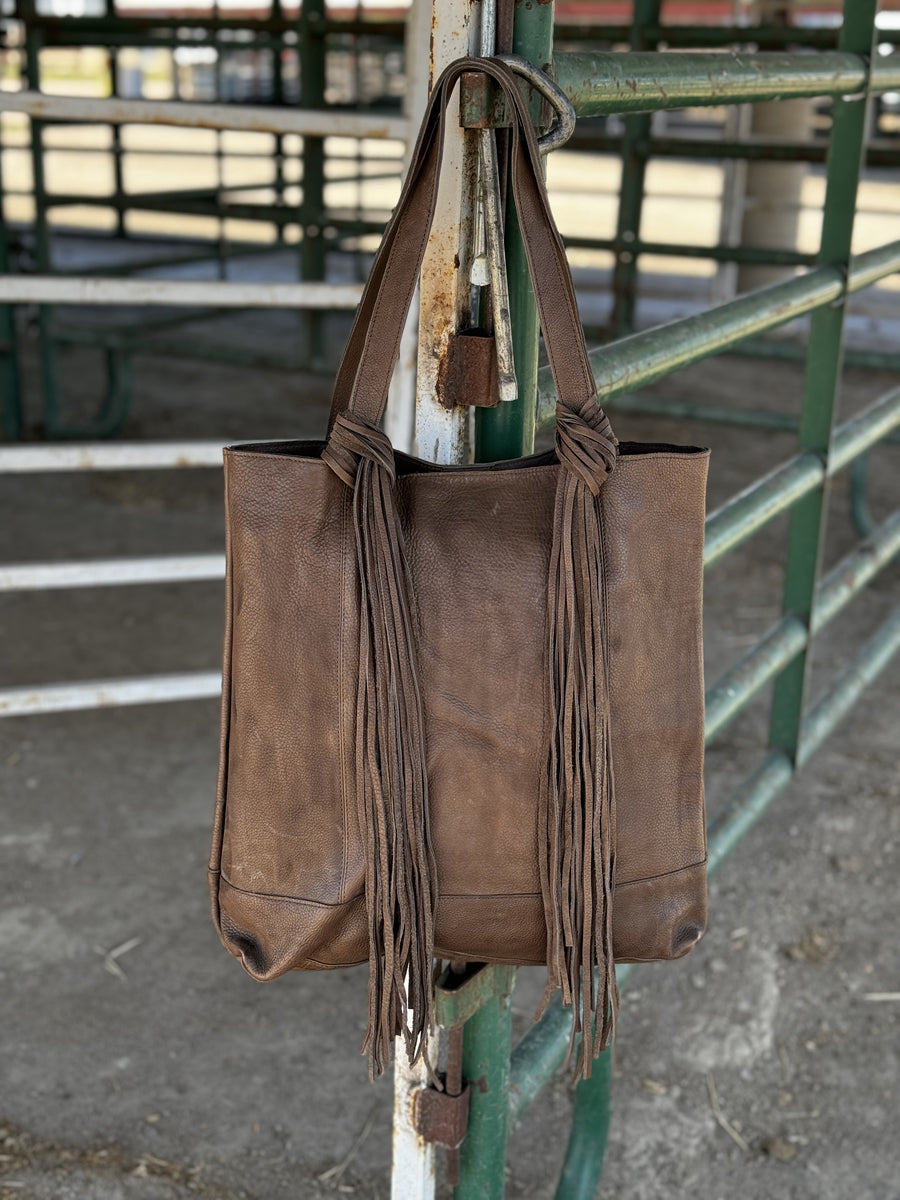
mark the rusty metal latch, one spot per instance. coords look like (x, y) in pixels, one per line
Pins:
(441, 1118)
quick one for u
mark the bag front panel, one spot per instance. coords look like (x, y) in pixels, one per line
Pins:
(478, 545)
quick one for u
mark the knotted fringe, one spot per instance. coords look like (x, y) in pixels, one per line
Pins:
(577, 799)
(392, 786)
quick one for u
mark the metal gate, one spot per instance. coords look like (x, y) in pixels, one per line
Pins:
(476, 1003)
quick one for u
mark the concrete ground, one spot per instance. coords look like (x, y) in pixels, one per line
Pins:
(139, 1063)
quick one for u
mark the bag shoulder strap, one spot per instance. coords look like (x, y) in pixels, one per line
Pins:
(365, 373)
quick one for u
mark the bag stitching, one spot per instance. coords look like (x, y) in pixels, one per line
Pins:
(442, 895)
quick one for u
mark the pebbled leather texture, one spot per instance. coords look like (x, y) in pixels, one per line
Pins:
(462, 707)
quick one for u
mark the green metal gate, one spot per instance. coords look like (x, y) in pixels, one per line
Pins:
(633, 84)
(636, 84)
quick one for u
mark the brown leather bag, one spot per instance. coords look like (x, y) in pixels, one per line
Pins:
(462, 706)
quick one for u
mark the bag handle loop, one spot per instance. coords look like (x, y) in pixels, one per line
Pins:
(365, 373)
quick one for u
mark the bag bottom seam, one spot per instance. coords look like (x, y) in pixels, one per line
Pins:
(442, 895)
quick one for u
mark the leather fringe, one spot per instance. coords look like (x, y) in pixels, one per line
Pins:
(392, 786)
(577, 800)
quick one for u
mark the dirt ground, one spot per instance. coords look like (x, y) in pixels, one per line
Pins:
(139, 1062)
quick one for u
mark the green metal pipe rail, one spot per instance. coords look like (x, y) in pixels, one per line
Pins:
(637, 83)
(702, 35)
(643, 358)
(598, 84)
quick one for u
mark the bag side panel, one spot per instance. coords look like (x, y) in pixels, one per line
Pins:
(215, 853)
(291, 858)
(654, 512)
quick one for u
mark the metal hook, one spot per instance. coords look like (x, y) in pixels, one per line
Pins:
(557, 135)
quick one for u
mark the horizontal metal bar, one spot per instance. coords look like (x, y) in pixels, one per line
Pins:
(540, 1053)
(181, 568)
(740, 683)
(878, 154)
(647, 404)
(856, 569)
(109, 456)
(133, 341)
(751, 800)
(747, 512)
(748, 803)
(641, 359)
(191, 115)
(828, 711)
(785, 640)
(767, 255)
(869, 268)
(699, 35)
(714, 414)
(92, 289)
(601, 83)
(108, 693)
(373, 24)
(791, 350)
(861, 431)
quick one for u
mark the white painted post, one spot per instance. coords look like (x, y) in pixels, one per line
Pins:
(412, 1166)
(400, 418)
(441, 434)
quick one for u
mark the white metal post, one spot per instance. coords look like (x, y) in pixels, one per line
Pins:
(400, 418)
(441, 434)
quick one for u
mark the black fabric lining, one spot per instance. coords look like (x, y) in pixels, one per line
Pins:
(407, 465)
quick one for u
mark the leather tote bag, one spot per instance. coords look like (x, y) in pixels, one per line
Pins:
(462, 707)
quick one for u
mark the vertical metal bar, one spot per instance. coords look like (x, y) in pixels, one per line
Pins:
(441, 433)
(412, 1158)
(278, 100)
(311, 50)
(631, 190)
(10, 393)
(400, 418)
(503, 432)
(445, 26)
(823, 371)
(486, 1052)
(112, 57)
(590, 1131)
(218, 76)
(859, 499)
(507, 431)
(46, 346)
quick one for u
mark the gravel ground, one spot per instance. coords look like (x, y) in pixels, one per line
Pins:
(140, 1063)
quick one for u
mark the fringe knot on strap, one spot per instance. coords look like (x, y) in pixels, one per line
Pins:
(585, 443)
(392, 785)
(352, 439)
(577, 799)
